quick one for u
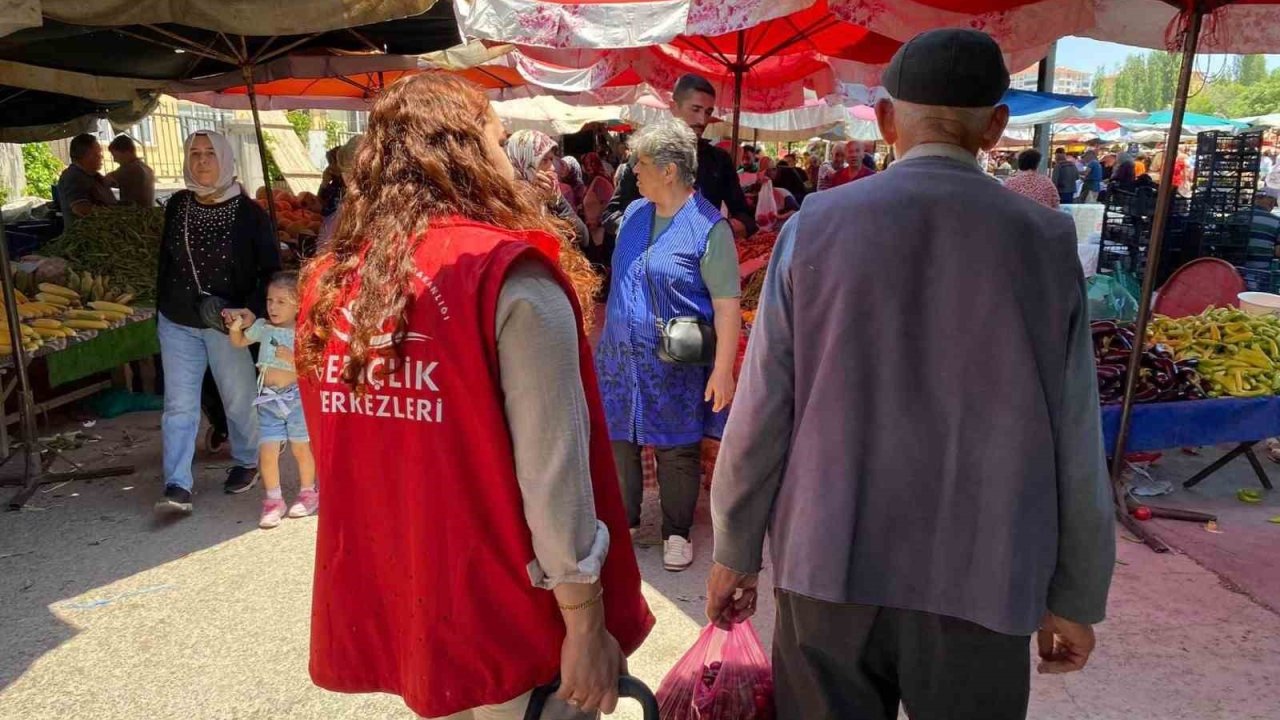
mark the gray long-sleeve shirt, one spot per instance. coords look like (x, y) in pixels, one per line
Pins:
(550, 427)
(931, 445)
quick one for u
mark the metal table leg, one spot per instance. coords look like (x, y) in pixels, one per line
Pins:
(1244, 448)
(1257, 468)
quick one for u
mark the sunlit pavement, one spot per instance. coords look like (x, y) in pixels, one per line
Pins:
(106, 614)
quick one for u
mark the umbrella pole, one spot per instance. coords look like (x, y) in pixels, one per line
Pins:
(1159, 224)
(738, 70)
(262, 147)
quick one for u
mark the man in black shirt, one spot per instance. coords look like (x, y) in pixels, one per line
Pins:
(692, 101)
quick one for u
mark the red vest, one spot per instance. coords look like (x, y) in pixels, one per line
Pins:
(421, 584)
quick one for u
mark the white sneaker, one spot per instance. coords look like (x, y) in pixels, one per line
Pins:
(677, 554)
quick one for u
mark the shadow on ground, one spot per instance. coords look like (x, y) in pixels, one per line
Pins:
(74, 538)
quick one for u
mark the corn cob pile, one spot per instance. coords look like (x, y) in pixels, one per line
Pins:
(57, 312)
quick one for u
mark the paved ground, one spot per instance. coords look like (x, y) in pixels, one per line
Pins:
(106, 614)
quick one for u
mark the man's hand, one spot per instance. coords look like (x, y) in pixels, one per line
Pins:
(731, 596)
(720, 389)
(739, 230)
(1064, 645)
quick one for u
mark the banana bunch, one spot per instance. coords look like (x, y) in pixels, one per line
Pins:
(98, 288)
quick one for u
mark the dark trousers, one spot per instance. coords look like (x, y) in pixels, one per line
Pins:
(857, 662)
(679, 482)
(1067, 198)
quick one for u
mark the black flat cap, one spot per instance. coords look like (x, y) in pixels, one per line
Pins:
(953, 68)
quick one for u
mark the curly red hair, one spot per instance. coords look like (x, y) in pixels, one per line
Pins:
(423, 156)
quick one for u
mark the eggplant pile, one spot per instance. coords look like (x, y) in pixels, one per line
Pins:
(1160, 377)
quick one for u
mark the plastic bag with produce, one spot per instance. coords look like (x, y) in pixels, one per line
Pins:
(724, 676)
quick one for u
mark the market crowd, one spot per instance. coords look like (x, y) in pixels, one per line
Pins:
(439, 368)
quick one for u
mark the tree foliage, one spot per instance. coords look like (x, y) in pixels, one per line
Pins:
(1250, 69)
(301, 122)
(42, 169)
(1146, 82)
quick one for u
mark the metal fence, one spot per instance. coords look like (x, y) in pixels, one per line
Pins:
(159, 138)
(161, 135)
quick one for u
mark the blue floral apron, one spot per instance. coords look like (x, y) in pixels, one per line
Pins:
(647, 401)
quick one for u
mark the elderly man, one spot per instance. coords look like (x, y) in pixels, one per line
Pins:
(136, 180)
(909, 576)
(81, 187)
(692, 101)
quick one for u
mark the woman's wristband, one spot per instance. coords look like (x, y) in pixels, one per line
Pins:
(585, 604)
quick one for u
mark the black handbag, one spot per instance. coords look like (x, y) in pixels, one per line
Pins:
(210, 306)
(684, 340)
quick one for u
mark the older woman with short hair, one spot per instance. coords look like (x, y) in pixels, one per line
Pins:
(675, 258)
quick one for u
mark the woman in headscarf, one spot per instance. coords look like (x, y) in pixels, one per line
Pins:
(596, 197)
(532, 154)
(473, 543)
(571, 183)
(218, 251)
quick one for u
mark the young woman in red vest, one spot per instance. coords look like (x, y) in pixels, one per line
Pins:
(475, 544)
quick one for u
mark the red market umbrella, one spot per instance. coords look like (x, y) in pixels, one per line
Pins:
(773, 46)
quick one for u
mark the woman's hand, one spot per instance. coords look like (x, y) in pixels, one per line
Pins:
(284, 354)
(547, 185)
(720, 389)
(590, 663)
(238, 318)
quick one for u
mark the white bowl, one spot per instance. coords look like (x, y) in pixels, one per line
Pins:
(1259, 303)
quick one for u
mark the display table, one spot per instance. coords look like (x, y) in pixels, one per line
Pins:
(90, 352)
(1160, 426)
(107, 350)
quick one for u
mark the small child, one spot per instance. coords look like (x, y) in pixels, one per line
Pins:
(279, 404)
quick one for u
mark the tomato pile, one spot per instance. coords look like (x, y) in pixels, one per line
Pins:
(297, 215)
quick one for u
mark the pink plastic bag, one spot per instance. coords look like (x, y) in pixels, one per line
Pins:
(766, 206)
(724, 676)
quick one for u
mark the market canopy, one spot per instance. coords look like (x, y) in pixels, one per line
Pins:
(1191, 122)
(548, 115)
(237, 17)
(37, 116)
(182, 52)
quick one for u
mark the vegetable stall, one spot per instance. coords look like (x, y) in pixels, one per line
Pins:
(1205, 379)
(74, 307)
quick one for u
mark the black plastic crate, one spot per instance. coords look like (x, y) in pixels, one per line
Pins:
(1260, 280)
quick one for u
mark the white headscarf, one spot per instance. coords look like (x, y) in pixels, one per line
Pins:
(226, 187)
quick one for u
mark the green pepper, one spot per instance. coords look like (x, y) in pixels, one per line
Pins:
(1249, 495)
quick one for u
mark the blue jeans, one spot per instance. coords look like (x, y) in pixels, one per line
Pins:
(185, 352)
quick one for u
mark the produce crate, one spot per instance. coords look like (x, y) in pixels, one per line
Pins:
(1260, 280)
(1226, 176)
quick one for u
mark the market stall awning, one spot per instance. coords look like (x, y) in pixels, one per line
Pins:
(36, 116)
(237, 17)
(174, 52)
(798, 124)
(548, 115)
(1191, 122)
(1033, 108)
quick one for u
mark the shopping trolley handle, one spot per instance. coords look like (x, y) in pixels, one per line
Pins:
(628, 687)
